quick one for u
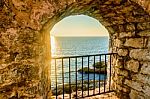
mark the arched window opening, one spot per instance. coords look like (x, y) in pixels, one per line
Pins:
(64, 36)
(76, 44)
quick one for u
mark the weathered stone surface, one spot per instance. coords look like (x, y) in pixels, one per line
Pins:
(133, 84)
(119, 63)
(122, 88)
(118, 43)
(119, 79)
(141, 87)
(25, 47)
(141, 78)
(148, 45)
(144, 33)
(135, 42)
(145, 69)
(122, 52)
(135, 95)
(140, 54)
(110, 30)
(122, 72)
(126, 34)
(143, 26)
(130, 27)
(132, 65)
(144, 4)
(146, 90)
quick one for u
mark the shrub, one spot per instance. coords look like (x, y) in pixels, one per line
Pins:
(98, 71)
(100, 65)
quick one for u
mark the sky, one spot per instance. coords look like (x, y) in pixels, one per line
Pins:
(79, 25)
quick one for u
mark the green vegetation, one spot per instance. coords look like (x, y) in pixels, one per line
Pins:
(97, 71)
(99, 68)
(100, 65)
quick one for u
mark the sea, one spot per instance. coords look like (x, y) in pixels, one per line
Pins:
(75, 46)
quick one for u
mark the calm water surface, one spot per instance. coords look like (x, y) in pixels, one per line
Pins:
(74, 46)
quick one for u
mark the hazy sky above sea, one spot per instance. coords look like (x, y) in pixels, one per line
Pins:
(79, 25)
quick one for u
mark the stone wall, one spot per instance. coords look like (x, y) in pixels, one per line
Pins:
(25, 44)
(131, 77)
(24, 51)
(144, 3)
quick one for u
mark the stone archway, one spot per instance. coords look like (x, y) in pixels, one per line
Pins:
(25, 47)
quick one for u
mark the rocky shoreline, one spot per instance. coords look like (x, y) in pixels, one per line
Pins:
(85, 93)
(98, 68)
(79, 86)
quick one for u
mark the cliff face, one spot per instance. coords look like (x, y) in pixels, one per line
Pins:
(25, 47)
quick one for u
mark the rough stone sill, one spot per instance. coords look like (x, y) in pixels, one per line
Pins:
(110, 95)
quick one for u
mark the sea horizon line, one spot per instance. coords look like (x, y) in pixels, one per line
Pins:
(80, 36)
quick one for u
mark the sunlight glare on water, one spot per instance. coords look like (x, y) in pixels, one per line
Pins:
(53, 45)
(75, 46)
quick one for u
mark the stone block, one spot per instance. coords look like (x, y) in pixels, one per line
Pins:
(145, 69)
(134, 84)
(140, 87)
(146, 90)
(119, 79)
(139, 12)
(143, 26)
(121, 72)
(118, 87)
(148, 45)
(118, 43)
(132, 65)
(119, 63)
(3, 66)
(135, 42)
(140, 54)
(1, 80)
(122, 88)
(144, 4)
(130, 18)
(110, 15)
(126, 34)
(144, 33)
(130, 27)
(110, 30)
(120, 27)
(118, 22)
(135, 95)
(141, 78)
(106, 24)
(122, 52)
(127, 9)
